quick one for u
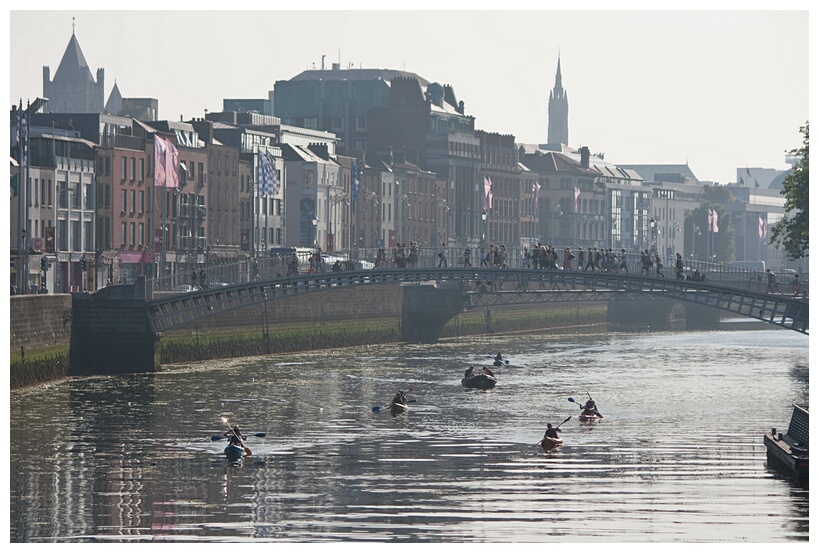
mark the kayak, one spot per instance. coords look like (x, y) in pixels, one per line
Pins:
(551, 443)
(590, 418)
(398, 408)
(234, 451)
(479, 381)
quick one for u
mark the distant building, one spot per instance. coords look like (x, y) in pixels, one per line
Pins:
(74, 89)
(558, 111)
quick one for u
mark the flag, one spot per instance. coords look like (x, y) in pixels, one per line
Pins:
(487, 187)
(274, 176)
(756, 183)
(159, 160)
(741, 181)
(747, 171)
(265, 169)
(536, 193)
(576, 196)
(763, 228)
(715, 218)
(710, 219)
(355, 180)
(171, 165)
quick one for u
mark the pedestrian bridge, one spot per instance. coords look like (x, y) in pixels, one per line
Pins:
(123, 324)
(484, 287)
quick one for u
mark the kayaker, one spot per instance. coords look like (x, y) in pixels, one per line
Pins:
(551, 432)
(470, 372)
(487, 372)
(498, 359)
(590, 409)
(400, 398)
(235, 436)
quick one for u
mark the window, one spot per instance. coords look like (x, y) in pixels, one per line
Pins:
(123, 229)
(142, 201)
(89, 236)
(124, 168)
(123, 201)
(133, 168)
(141, 170)
(133, 201)
(141, 233)
(133, 233)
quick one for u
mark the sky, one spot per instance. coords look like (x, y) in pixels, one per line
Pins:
(714, 87)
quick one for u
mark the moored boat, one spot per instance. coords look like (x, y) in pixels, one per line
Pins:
(789, 451)
(479, 381)
(549, 444)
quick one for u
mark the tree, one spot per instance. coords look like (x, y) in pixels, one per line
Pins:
(791, 232)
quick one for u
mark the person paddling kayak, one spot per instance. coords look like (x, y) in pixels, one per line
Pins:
(590, 409)
(498, 360)
(399, 398)
(235, 436)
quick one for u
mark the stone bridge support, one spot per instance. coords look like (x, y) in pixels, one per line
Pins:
(661, 315)
(425, 311)
(111, 332)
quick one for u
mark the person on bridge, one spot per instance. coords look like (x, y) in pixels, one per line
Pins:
(797, 286)
(678, 267)
(442, 255)
(623, 265)
(467, 257)
(658, 265)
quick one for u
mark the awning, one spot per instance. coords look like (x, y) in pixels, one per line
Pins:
(107, 257)
(131, 257)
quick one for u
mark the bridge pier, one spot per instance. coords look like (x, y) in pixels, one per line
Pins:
(425, 311)
(111, 332)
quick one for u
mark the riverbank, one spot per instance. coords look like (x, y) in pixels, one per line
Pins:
(29, 368)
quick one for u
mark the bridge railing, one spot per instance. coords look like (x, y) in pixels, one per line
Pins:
(266, 267)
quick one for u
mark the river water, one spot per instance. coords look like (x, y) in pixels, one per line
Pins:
(677, 458)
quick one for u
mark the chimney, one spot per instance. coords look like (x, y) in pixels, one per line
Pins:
(584, 157)
(336, 66)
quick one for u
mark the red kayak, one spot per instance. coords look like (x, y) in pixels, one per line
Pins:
(549, 444)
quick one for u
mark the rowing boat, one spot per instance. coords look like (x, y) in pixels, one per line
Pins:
(479, 381)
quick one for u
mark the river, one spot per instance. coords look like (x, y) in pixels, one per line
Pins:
(677, 458)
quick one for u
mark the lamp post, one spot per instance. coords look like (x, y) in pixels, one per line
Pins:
(652, 225)
(484, 217)
(314, 221)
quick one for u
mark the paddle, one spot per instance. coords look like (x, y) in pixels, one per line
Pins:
(258, 435)
(247, 449)
(556, 427)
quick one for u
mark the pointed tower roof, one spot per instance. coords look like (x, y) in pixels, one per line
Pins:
(558, 76)
(73, 67)
(114, 103)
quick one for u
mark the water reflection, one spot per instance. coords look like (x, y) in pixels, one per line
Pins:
(679, 456)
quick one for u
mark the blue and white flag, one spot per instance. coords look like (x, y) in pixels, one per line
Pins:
(355, 181)
(266, 174)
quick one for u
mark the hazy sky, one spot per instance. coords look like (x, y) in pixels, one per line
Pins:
(719, 90)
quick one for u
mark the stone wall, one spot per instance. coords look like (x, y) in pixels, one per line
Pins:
(39, 321)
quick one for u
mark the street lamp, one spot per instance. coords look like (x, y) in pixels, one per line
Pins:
(652, 224)
(315, 231)
(484, 216)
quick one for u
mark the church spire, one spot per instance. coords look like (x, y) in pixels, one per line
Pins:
(558, 110)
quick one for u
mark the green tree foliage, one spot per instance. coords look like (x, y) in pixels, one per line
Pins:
(791, 232)
(721, 245)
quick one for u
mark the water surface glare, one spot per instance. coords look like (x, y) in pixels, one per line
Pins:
(678, 458)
